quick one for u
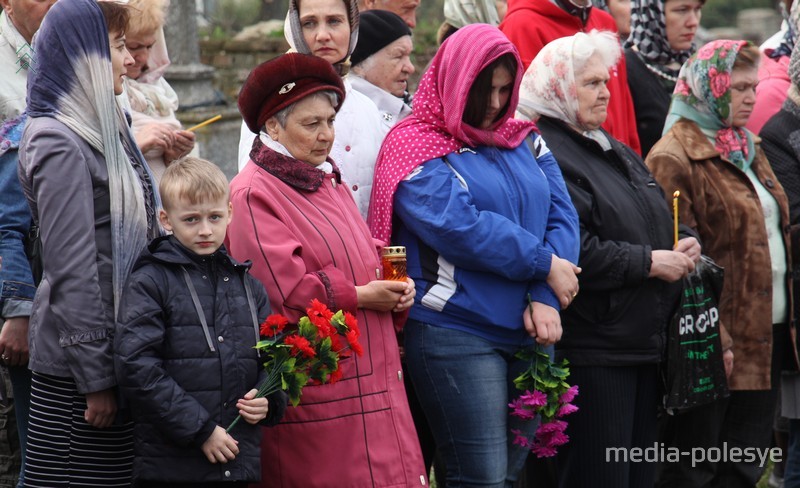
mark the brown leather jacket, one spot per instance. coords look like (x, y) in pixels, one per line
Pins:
(719, 201)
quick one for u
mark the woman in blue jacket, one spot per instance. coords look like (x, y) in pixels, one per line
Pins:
(482, 208)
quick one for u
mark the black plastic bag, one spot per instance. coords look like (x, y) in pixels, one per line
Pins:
(695, 372)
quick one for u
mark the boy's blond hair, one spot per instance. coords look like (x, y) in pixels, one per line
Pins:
(194, 179)
(147, 16)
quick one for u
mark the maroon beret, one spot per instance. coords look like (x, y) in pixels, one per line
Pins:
(279, 82)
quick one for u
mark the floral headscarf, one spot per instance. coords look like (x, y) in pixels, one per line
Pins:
(435, 128)
(293, 32)
(548, 87)
(703, 95)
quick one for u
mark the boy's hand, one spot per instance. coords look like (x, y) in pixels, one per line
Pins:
(220, 447)
(253, 410)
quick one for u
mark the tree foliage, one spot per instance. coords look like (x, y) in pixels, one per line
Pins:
(722, 13)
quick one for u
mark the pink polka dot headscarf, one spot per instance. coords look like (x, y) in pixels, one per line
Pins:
(435, 128)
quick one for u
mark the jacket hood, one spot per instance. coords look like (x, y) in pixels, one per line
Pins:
(167, 250)
(543, 7)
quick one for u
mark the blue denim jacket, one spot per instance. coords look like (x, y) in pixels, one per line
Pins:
(16, 297)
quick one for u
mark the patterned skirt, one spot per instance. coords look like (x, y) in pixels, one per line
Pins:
(63, 450)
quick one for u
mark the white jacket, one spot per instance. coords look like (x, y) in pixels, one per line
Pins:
(359, 135)
(391, 109)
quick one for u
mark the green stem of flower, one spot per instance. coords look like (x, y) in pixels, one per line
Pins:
(535, 344)
(270, 385)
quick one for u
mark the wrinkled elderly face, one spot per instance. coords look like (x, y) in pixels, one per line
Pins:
(26, 15)
(308, 134)
(593, 95)
(139, 45)
(743, 95)
(390, 67)
(326, 28)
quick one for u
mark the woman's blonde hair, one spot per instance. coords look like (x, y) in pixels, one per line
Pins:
(194, 179)
(147, 15)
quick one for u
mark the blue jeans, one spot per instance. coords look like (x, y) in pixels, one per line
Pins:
(16, 281)
(464, 384)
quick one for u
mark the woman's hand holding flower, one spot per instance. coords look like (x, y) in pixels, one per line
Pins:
(253, 410)
(542, 322)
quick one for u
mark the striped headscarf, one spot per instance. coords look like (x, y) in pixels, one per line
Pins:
(649, 35)
(435, 127)
(72, 82)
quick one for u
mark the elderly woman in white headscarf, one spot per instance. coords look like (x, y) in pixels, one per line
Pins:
(614, 330)
(329, 29)
(152, 101)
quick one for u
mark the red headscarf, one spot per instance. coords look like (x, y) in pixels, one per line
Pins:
(435, 128)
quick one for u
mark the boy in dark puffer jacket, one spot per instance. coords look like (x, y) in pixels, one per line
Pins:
(183, 350)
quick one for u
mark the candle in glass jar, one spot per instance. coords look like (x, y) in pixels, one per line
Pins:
(394, 263)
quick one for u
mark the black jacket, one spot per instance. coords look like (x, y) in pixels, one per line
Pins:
(780, 140)
(651, 96)
(178, 389)
(620, 316)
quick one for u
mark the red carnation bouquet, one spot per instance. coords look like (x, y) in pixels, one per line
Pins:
(307, 354)
(545, 393)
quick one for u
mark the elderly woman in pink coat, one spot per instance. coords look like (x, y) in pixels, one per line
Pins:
(300, 226)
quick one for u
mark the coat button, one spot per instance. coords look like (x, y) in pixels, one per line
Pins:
(333, 183)
(221, 339)
(205, 277)
(355, 187)
(225, 278)
(225, 404)
(347, 148)
(227, 474)
(769, 183)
